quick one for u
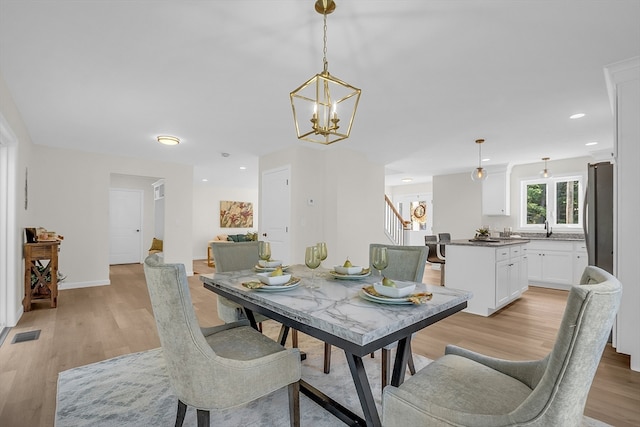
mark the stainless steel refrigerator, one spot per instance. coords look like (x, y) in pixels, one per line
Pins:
(598, 215)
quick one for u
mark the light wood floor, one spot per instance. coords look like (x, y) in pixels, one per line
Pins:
(98, 323)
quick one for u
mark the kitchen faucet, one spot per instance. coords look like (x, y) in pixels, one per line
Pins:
(547, 228)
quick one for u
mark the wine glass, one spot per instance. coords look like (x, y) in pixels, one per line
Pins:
(264, 250)
(322, 251)
(312, 260)
(379, 259)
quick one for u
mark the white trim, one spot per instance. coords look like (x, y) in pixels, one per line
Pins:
(78, 285)
(10, 306)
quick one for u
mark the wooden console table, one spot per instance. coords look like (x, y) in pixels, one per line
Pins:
(46, 286)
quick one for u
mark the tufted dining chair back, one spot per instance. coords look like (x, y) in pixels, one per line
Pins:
(405, 262)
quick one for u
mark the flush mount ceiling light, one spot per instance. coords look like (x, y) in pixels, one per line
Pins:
(407, 179)
(168, 140)
(591, 143)
(318, 100)
(545, 173)
(479, 174)
(577, 116)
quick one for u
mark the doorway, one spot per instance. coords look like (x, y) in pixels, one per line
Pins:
(125, 226)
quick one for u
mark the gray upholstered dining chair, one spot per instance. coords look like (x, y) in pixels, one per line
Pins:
(232, 257)
(219, 367)
(470, 389)
(405, 263)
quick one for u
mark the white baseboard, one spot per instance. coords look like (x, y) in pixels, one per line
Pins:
(77, 285)
(550, 285)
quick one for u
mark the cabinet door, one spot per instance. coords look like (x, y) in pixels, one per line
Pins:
(523, 280)
(557, 267)
(580, 262)
(534, 259)
(502, 282)
(495, 194)
(514, 277)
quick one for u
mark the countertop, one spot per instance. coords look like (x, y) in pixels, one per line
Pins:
(493, 243)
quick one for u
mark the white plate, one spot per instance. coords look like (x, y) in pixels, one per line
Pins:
(349, 276)
(384, 300)
(268, 269)
(293, 283)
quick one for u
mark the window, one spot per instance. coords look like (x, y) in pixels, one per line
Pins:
(557, 200)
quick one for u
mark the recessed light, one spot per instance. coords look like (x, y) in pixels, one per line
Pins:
(243, 168)
(205, 180)
(407, 179)
(576, 116)
(486, 159)
(592, 143)
(168, 140)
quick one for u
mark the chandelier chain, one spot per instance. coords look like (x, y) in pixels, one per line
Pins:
(324, 41)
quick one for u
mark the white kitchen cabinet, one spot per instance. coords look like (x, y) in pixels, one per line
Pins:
(493, 273)
(496, 193)
(555, 264)
(580, 261)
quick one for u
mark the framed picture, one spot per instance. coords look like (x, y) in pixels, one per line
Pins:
(236, 214)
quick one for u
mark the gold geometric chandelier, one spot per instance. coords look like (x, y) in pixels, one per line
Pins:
(317, 102)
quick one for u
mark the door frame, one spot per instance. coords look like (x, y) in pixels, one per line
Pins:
(10, 245)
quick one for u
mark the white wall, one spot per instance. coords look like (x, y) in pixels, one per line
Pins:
(348, 191)
(206, 212)
(457, 205)
(73, 199)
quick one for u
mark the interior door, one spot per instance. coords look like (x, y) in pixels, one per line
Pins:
(125, 226)
(275, 212)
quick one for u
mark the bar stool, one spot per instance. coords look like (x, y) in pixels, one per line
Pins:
(432, 256)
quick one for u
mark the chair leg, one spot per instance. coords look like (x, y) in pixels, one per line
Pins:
(294, 404)
(386, 367)
(294, 338)
(203, 418)
(182, 410)
(412, 366)
(327, 358)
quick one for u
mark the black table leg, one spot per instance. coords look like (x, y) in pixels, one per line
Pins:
(364, 390)
(403, 352)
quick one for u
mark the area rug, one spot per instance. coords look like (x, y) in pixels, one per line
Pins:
(133, 390)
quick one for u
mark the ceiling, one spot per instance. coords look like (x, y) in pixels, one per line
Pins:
(109, 76)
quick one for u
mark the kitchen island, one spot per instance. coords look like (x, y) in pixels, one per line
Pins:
(495, 270)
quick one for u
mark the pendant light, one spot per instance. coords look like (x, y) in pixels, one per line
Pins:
(545, 173)
(479, 174)
(317, 102)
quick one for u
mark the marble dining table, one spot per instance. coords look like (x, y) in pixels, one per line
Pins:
(336, 312)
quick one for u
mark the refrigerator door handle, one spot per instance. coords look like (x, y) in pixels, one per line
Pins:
(585, 214)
